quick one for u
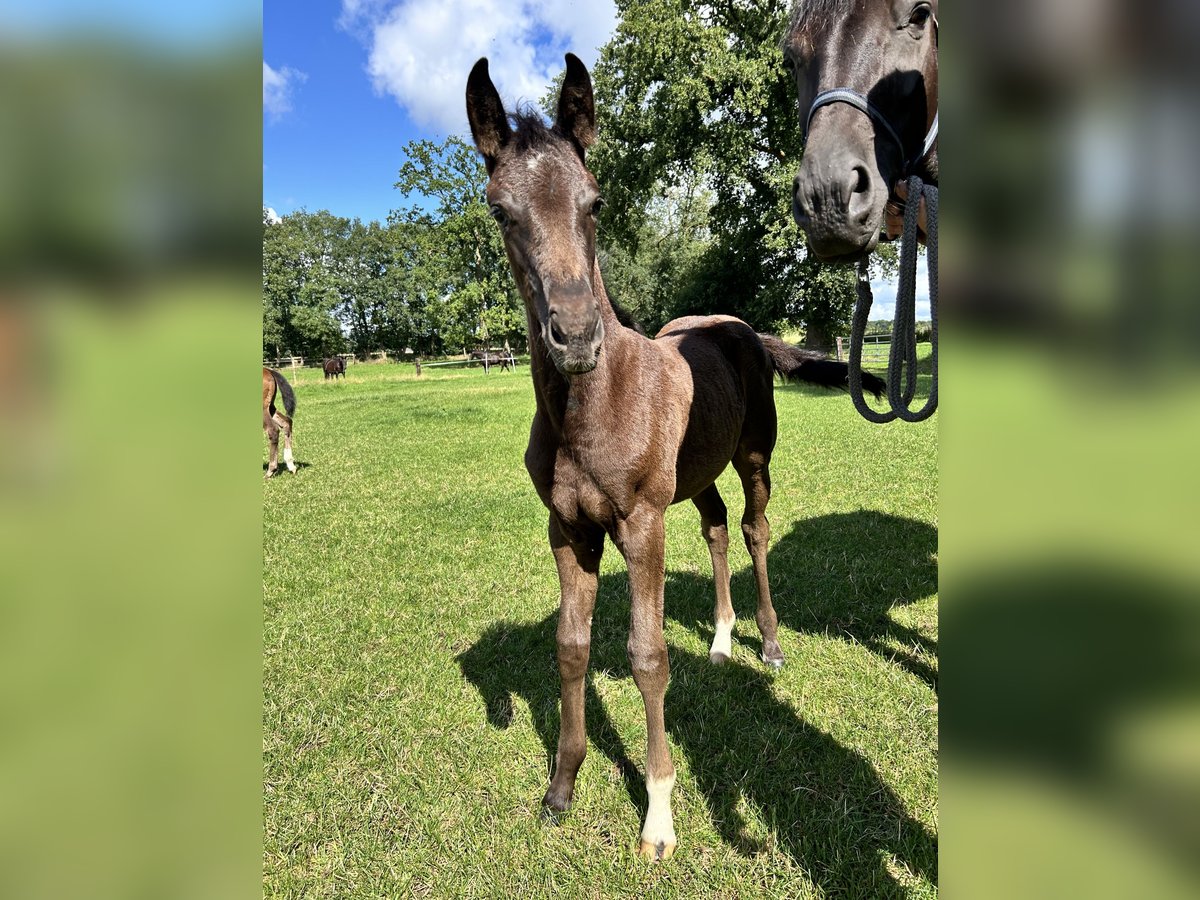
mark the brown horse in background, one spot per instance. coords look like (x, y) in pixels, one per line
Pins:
(625, 426)
(334, 367)
(867, 80)
(275, 421)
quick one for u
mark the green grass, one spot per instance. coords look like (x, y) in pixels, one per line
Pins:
(411, 692)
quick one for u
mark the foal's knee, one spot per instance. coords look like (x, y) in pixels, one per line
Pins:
(572, 660)
(648, 659)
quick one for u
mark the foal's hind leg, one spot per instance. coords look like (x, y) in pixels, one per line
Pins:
(285, 424)
(714, 526)
(752, 467)
(272, 430)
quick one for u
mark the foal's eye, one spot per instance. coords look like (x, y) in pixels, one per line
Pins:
(597, 206)
(498, 214)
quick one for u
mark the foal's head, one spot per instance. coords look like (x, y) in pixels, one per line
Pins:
(546, 201)
(886, 51)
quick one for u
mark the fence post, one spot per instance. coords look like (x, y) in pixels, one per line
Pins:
(839, 349)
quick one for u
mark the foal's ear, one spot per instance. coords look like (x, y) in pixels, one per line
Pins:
(485, 112)
(576, 108)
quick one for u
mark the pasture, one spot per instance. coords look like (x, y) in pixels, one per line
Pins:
(411, 693)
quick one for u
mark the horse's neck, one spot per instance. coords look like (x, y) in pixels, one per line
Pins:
(581, 395)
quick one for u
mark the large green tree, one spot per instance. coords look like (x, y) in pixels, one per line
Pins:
(305, 283)
(459, 257)
(693, 102)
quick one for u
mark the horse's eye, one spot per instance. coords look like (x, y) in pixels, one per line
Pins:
(790, 65)
(597, 206)
(920, 15)
(498, 214)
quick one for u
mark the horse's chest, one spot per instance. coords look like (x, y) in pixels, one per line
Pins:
(593, 489)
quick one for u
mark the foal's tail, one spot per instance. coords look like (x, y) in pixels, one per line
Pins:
(793, 364)
(285, 391)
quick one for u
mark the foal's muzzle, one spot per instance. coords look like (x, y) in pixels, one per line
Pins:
(573, 332)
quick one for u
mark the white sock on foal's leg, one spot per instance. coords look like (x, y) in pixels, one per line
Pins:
(658, 834)
(722, 645)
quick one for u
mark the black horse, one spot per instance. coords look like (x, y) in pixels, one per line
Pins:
(489, 358)
(334, 367)
(867, 80)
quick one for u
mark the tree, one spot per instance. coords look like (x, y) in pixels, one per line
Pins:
(304, 283)
(459, 264)
(692, 99)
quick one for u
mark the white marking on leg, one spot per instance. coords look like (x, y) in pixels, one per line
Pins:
(287, 458)
(659, 830)
(723, 639)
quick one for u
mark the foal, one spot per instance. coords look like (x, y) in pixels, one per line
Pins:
(275, 421)
(625, 426)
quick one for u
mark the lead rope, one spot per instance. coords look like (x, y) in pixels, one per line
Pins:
(902, 358)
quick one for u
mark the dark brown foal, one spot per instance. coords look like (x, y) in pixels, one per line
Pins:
(625, 426)
(275, 421)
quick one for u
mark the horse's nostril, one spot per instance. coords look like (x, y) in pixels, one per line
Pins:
(862, 182)
(556, 334)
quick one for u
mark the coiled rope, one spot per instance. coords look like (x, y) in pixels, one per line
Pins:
(902, 357)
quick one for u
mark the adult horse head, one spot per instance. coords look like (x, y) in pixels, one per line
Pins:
(546, 202)
(866, 75)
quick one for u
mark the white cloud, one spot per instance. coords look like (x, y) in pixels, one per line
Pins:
(420, 51)
(278, 85)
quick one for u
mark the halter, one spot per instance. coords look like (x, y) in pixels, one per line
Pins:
(862, 104)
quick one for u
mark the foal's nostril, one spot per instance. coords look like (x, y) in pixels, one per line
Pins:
(556, 335)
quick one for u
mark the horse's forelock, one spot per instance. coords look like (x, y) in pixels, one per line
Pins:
(806, 10)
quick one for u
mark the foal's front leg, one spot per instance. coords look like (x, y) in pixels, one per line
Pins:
(640, 539)
(578, 562)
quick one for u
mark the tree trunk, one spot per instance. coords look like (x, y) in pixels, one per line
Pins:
(816, 338)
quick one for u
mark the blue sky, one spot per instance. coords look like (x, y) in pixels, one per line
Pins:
(347, 83)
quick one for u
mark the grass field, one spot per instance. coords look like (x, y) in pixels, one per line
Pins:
(411, 695)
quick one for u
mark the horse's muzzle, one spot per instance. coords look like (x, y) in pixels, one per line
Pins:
(574, 333)
(835, 202)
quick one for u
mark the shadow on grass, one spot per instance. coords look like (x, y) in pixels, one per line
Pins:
(824, 803)
(842, 574)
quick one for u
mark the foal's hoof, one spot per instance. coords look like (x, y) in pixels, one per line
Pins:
(772, 655)
(655, 852)
(554, 805)
(718, 657)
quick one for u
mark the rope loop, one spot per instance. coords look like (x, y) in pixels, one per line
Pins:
(902, 357)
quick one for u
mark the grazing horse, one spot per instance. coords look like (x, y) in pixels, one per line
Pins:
(624, 426)
(275, 421)
(334, 367)
(867, 79)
